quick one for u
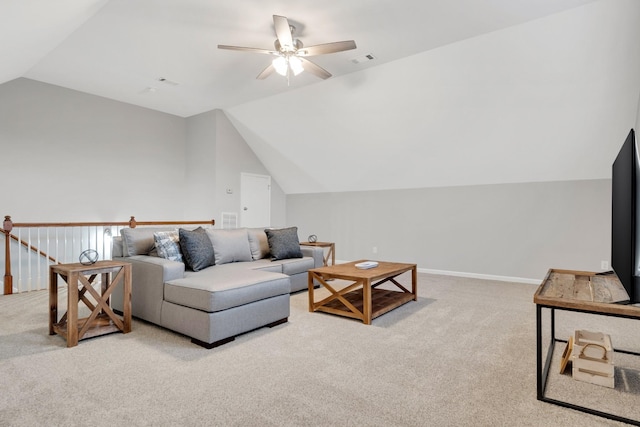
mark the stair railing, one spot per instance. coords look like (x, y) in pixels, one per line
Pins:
(40, 244)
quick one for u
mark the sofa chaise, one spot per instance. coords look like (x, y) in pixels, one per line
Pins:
(211, 284)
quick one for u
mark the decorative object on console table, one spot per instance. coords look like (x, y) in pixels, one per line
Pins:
(79, 278)
(330, 254)
(592, 358)
(566, 355)
(88, 257)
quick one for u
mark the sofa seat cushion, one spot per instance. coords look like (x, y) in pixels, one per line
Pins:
(265, 265)
(289, 266)
(225, 286)
(296, 265)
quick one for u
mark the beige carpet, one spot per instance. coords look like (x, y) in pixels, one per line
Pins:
(463, 355)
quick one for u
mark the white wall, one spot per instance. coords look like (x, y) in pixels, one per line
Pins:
(536, 113)
(547, 100)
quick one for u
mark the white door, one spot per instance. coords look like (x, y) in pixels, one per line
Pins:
(255, 200)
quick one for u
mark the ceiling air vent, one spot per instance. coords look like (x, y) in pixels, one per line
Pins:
(365, 58)
(167, 81)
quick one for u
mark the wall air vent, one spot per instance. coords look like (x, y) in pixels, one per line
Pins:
(365, 58)
(229, 220)
(167, 81)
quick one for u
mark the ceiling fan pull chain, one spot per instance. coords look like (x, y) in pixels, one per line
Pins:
(288, 73)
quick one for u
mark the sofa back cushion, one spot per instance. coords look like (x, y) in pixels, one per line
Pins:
(197, 249)
(139, 241)
(258, 243)
(230, 245)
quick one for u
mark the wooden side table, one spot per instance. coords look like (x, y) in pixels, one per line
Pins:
(330, 254)
(79, 278)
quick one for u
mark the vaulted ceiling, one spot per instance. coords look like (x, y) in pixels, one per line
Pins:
(547, 100)
(120, 49)
(460, 91)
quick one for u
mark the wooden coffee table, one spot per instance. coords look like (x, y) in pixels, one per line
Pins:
(362, 299)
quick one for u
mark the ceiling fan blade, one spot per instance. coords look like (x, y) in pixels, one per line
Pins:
(248, 49)
(266, 72)
(315, 69)
(283, 31)
(321, 49)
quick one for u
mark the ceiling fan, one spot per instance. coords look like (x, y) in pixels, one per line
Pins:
(291, 55)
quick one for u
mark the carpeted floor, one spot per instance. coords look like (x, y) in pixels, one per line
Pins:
(463, 355)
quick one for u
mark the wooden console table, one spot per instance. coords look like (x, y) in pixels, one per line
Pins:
(79, 278)
(584, 292)
(330, 254)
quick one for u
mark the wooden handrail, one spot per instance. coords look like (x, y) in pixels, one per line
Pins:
(8, 225)
(131, 223)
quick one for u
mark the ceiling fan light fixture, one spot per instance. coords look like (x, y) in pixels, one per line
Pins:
(280, 64)
(290, 54)
(296, 65)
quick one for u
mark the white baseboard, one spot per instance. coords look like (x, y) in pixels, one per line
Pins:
(481, 276)
(473, 275)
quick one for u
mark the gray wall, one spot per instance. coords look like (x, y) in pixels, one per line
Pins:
(71, 156)
(200, 173)
(508, 230)
(638, 115)
(233, 155)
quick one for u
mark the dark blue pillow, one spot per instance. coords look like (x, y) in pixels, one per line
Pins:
(196, 248)
(284, 243)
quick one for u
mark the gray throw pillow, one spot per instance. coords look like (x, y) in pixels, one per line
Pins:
(196, 248)
(283, 243)
(230, 245)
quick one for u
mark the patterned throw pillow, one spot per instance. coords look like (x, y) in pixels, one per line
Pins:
(196, 248)
(284, 243)
(167, 245)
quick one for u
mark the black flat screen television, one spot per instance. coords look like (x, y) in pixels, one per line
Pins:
(625, 220)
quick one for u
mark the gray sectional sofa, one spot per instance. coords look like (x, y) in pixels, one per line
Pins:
(244, 284)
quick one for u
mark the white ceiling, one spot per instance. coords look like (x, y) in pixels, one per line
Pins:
(461, 92)
(548, 100)
(120, 48)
